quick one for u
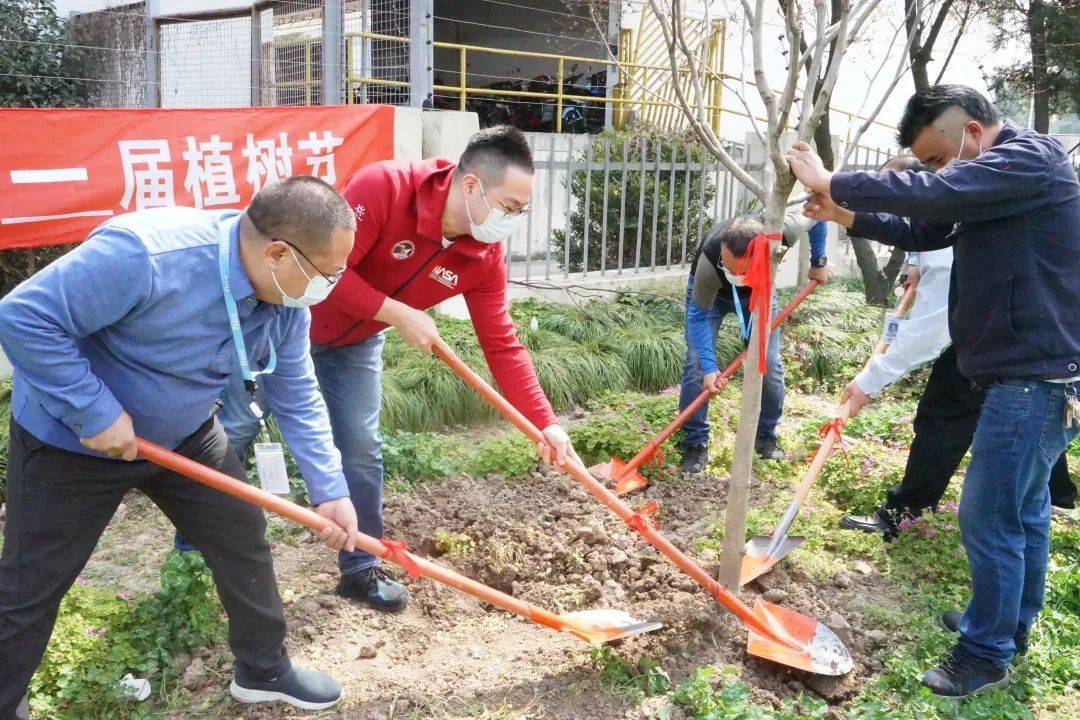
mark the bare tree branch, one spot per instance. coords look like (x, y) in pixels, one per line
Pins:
(956, 41)
(815, 65)
(760, 79)
(794, 37)
(821, 103)
(901, 70)
(703, 131)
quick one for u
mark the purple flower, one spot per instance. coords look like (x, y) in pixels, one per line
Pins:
(80, 580)
(931, 533)
(950, 526)
(951, 506)
(673, 390)
(94, 632)
(124, 596)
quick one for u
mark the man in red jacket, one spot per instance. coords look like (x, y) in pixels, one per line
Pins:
(426, 231)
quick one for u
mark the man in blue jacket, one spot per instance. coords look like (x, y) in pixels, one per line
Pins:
(714, 290)
(1008, 201)
(136, 333)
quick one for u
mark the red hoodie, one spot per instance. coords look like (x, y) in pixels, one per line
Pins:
(399, 252)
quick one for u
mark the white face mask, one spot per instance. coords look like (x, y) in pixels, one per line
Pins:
(963, 134)
(736, 280)
(498, 226)
(316, 291)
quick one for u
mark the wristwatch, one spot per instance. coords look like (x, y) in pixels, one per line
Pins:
(818, 263)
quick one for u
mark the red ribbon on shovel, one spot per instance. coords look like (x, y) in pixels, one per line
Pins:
(835, 425)
(645, 517)
(398, 552)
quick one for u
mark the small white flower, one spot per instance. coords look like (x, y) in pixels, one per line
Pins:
(534, 324)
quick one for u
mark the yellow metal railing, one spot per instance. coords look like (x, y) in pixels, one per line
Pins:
(629, 72)
(310, 85)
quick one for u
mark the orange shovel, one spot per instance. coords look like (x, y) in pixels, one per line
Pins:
(764, 551)
(776, 634)
(625, 474)
(592, 626)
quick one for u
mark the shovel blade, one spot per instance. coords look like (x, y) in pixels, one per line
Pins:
(604, 471)
(810, 646)
(756, 562)
(603, 625)
(627, 479)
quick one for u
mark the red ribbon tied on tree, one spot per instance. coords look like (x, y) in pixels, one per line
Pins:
(398, 552)
(645, 517)
(758, 278)
(836, 425)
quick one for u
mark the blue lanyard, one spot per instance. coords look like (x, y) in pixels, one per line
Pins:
(234, 316)
(744, 324)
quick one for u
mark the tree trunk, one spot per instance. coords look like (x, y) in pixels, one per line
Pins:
(877, 282)
(742, 463)
(1036, 22)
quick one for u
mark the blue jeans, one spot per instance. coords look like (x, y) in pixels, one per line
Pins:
(696, 429)
(1005, 512)
(350, 379)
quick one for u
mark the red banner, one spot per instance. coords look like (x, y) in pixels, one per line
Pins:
(64, 172)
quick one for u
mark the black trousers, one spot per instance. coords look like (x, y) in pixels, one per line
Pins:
(59, 503)
(944, 426)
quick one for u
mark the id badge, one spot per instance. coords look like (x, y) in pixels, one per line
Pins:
(270, 464)
(892, 327)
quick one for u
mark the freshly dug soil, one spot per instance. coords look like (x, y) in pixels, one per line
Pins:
(545, 540)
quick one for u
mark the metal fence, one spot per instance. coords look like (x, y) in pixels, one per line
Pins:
(619, 206)
(624, 205)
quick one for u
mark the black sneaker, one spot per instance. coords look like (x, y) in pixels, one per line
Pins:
(962, 674)
(878, 522)
(950, 620)
(694, 458)
(376, 587)
(302, 688)
(768, 449)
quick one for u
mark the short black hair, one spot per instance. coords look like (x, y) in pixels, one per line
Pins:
(492, 150)
(301, 209)
(923, 108)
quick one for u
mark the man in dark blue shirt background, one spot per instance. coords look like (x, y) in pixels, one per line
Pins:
(1008, 201)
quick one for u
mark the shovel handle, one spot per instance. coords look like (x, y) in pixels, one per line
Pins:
(284, 508)
(610, 500)
(822, 454)
(647, 452)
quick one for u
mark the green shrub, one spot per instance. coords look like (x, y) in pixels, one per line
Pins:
(511, 455)
(632, 681)
(659, 202)
(421, 456)
(731, 701)
(185, 614)
(857, 482)
(100, 636)
(884, 422)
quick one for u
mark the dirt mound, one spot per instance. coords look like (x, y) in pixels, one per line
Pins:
(545, 540)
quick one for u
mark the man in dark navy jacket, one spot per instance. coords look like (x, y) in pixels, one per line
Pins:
(1007, 199)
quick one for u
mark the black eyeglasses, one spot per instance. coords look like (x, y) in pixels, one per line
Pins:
(331, 279)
